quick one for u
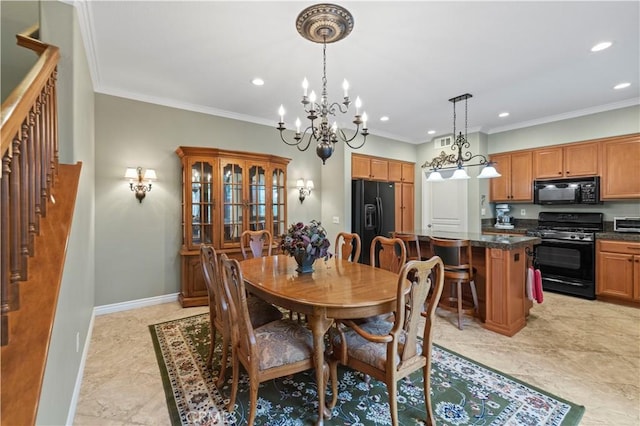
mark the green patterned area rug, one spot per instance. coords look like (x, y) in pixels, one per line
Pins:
(463, 391)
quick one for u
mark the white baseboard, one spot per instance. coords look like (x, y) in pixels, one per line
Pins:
(134, 304)
(76, 389)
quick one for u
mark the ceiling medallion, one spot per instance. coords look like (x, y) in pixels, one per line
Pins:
(324, 23)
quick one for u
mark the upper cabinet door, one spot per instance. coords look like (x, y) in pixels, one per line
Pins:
(521, 181)
(581, 159)
(547, 163)
(501, 187)
(619, 161)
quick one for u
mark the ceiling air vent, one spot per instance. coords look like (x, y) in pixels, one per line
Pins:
(441, 142)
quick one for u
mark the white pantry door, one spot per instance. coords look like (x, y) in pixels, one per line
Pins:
(445, 205)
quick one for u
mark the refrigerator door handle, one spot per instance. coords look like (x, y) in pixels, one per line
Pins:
(380, 216)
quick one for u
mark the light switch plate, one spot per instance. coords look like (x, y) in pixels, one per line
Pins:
(336, 219)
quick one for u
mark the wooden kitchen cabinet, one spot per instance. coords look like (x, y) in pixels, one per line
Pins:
(618, 270)
(370, 168)
(619, 164)
(516, 182)
(566, 161)
(400, 171)
(223, 194)
(404, 206)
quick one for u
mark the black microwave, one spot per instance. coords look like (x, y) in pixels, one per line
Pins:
(585, 190)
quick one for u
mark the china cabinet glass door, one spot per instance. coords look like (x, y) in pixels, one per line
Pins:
(233, 202)
(202, 186)
(278, 194)
(257, 202)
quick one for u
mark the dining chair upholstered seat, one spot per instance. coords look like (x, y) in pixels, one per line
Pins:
(256, 243)
(260, 312)
(389, 351)
(458, 270)
(273, 350)
(348, 246)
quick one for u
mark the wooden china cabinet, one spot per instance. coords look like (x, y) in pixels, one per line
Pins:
(223, 194)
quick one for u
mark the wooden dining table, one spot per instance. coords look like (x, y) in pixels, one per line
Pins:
(337, 289)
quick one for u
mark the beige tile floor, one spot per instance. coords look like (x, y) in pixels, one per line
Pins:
(585, 351)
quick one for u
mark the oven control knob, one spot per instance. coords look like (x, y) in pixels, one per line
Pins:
(581, 237)
(573, 237)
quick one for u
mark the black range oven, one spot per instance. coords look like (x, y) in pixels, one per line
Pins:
(566, 255)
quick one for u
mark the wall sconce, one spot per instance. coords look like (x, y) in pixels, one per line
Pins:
(305, 189)
(138, 183)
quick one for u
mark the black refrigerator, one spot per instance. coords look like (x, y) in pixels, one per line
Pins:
(372, 212)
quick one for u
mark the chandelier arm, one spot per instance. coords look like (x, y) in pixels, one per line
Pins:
(347, 140)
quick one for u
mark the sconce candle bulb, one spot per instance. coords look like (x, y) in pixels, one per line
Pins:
(139, 183)
(305, 189)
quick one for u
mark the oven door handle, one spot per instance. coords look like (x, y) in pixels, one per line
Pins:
(574, 242)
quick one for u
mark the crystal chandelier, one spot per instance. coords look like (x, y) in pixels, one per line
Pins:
(324, 23)
(459, 159)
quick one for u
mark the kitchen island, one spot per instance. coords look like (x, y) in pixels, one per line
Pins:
(501, 263)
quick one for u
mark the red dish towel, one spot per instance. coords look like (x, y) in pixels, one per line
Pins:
(530, 286)
(538, 286)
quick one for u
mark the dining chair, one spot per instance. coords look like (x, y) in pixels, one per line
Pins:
(390, 253)
(256, 242)
(260, 311)
(348, 246)
(458, 270)
(389, 351)
(273, 350)
(411, 243)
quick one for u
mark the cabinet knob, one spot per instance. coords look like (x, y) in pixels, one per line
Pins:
(559, 173)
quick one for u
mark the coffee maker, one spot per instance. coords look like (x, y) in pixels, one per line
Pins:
(503, 220)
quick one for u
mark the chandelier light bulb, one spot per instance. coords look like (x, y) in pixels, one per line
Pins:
(298, 125)
(345, 87)
(305, 86)
(281, 113)
(312, 97)
(334, 128)
(364, 120)
(358, 105)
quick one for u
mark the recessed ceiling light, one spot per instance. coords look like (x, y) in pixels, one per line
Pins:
(503, 114)
(601, 46)
(384, 118)
(431, 132)
(257, 81)
(621, 86)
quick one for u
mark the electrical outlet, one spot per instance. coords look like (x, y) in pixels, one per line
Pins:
(336, 219)
(523, 212)
(483, 211)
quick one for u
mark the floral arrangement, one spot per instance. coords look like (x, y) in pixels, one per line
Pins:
(303, 240)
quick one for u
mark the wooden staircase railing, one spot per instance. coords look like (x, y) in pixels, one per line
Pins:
(29, 136)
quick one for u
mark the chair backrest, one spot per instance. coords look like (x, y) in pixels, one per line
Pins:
(211, 272)
(241, 329)
(348, 246)
(390, 253)
(256, 242)
(455, 254)
(425, 277)
(412, 244)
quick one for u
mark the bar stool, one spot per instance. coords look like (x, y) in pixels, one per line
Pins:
(411, 243)
(458, 269)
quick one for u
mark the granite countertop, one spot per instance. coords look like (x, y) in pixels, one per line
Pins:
(618, 236)
(499, 241)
